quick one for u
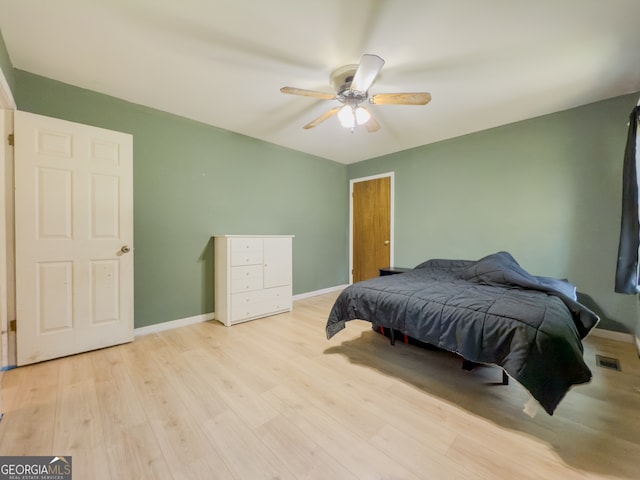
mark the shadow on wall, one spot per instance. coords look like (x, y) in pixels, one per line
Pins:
(606, 323)
(206, 260)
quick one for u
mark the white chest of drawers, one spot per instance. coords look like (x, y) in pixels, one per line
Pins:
(253, 276)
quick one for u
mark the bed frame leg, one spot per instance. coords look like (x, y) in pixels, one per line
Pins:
(392, 334)
(468, 365)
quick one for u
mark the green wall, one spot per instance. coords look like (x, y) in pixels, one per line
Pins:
(548, 190)
(191, 181)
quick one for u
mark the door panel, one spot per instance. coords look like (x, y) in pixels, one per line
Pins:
(74, 215)
(54, 297)
(105, 291)
(105, 206)
(371, 227)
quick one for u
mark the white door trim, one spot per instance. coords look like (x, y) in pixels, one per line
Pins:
(7, 254)
(7, 305)
(391, 176)
(7, 105)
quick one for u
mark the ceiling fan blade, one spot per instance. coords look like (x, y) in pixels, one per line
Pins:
(372, 125)
(370, 66)
(418, 98)
(322, 118)
(308, 93)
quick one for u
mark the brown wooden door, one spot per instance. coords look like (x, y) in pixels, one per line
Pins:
(371, 227)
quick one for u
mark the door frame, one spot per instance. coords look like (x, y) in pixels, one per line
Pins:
(7, 308)
(7, 304)
(391, 176)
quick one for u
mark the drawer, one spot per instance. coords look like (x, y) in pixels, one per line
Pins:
(260, 303)
(278, 300)
(246, 251)
(246, 271)
(249, 284)
(245, 313)
(245, 306)
(246, 278)
(246, 257)
(245, 243)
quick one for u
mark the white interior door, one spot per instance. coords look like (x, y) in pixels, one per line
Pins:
(74, 237)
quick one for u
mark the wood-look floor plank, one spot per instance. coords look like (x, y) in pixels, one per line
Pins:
(423, 461)
(179, 434)
(223, 378)
(78, 423)
(273, 398)
(118, 402)
(134, 452)
(29, 401)
(235, 439)
(482, 460)
(131, 446)
(361, 458)
(304, 457)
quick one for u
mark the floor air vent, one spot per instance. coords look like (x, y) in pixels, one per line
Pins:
(608, 362)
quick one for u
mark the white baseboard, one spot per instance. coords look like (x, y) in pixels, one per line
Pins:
(315, 293)
(182, 322)
(612, 335)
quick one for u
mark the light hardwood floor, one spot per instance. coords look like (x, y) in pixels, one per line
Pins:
(273, 398)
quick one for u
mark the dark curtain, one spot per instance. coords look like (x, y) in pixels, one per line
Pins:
(627, 268)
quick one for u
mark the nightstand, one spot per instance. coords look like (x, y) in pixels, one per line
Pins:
(393, 271)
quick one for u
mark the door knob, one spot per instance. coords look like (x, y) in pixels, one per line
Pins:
(386, 242)
(125, 249)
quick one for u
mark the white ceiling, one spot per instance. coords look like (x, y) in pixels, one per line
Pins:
(222, 62)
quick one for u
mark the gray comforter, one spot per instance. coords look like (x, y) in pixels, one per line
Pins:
(489, 311)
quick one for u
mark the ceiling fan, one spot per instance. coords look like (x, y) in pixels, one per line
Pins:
(352, 83)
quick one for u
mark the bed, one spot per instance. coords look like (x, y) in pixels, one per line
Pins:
(489, 311)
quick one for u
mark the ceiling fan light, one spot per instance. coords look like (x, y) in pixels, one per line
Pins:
(362, 115)
(346, 117)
